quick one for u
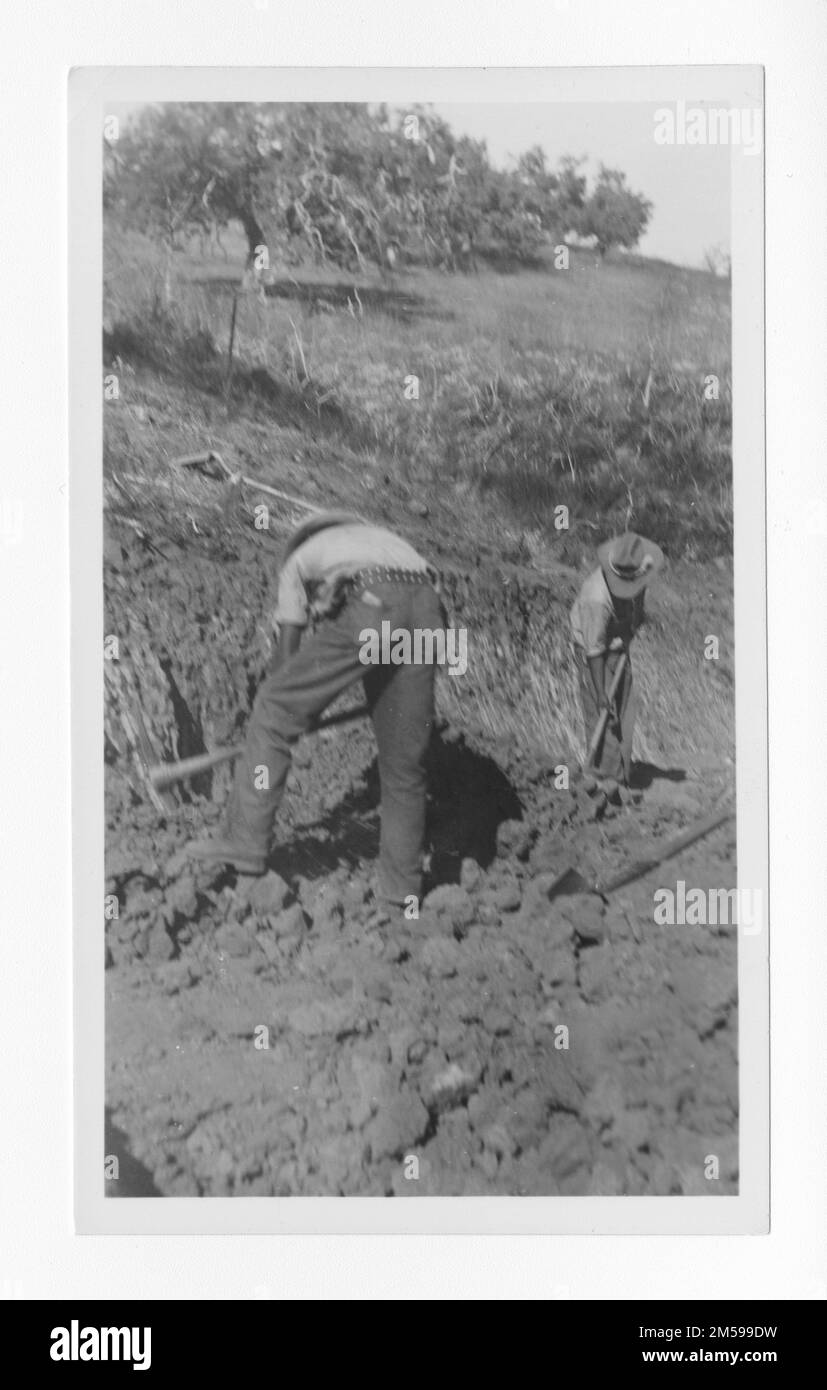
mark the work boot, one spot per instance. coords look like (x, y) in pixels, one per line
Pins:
(380, 901)
(611, 787)
(225, 851)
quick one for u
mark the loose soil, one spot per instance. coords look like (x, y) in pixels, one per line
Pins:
(279, 1036)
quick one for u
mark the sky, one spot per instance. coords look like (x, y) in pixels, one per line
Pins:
(689, 185)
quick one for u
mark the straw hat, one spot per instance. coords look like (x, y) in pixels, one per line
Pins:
(629, 562)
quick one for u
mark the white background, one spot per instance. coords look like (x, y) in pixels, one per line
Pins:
(39, 1255)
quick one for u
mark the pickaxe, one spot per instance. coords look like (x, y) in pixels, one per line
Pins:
(212, 465)
(164, 775)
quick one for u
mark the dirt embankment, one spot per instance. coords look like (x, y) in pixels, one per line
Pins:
(277, 1036)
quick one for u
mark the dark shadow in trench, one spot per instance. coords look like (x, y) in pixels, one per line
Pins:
(469, 796)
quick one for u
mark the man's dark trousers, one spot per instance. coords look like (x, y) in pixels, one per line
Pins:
(401, 701)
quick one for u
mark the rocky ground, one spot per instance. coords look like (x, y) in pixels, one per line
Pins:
(278, 1036)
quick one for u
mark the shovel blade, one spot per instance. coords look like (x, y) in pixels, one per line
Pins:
(567, 883)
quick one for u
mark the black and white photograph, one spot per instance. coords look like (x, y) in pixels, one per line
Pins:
(424, 798)
(412, 537)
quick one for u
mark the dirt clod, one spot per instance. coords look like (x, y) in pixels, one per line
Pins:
(267, 894)
(450, 1087)
(453, 903)
(508, 896)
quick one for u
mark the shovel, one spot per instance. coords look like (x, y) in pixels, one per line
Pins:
(570, 881)
(600, 726)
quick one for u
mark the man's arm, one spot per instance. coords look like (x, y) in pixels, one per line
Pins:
(592, 614)
(597, 671)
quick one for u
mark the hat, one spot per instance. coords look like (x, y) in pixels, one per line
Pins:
(629, 562)
(320, 521)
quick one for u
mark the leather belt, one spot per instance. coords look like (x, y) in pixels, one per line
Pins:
(381, 575)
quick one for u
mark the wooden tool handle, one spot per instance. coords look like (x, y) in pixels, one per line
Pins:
(694, 832)
(191, 460)
(167, 774)
(604, 714)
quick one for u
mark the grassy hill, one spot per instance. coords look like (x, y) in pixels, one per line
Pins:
(532, 386)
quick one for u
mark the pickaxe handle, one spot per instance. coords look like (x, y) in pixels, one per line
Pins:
(167, 774)
(695, 831)
(604, 715)
(210, 456)
(283, 496)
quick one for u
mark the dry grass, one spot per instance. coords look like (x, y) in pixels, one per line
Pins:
(581, 387)
(530, 689)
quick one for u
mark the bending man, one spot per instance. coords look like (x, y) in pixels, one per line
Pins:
(343, 576)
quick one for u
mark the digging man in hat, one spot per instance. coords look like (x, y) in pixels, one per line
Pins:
(341, 576)
(604, 618)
